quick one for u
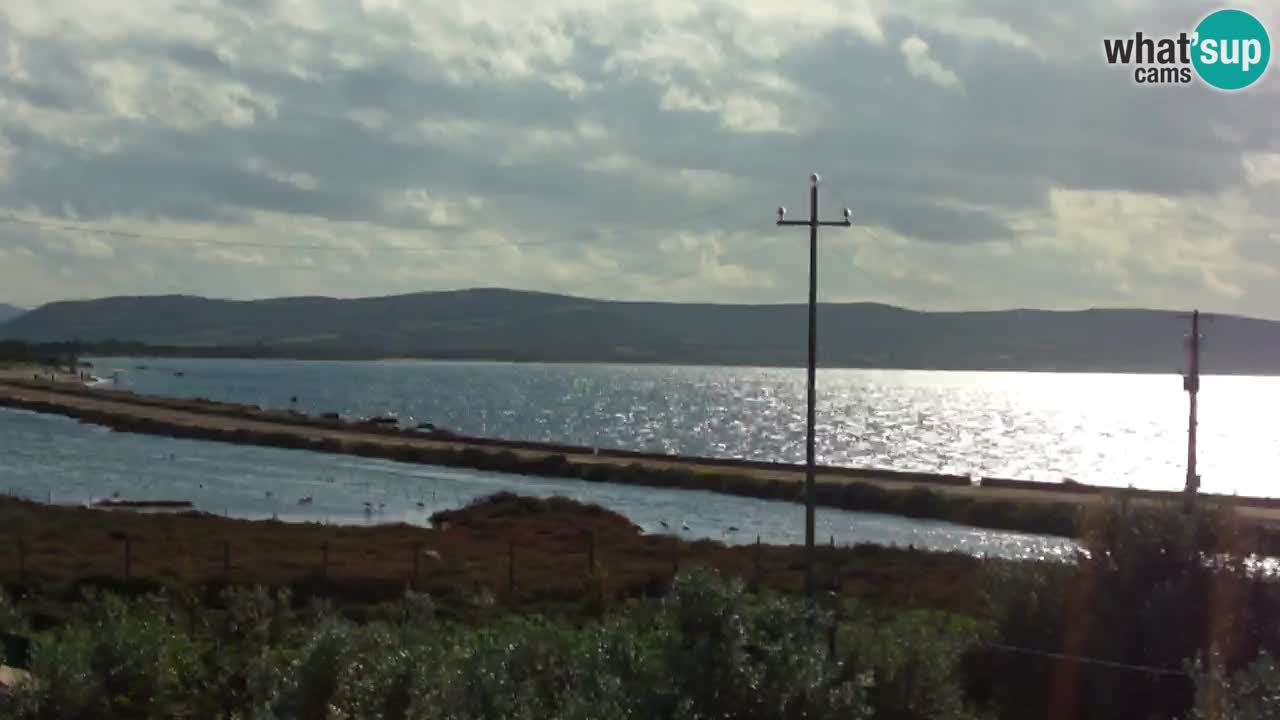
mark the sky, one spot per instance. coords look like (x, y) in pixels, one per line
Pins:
(989, 155)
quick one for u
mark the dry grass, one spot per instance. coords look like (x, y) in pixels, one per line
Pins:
(470, 552)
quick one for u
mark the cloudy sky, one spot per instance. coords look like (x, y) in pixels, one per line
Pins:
(255, 148)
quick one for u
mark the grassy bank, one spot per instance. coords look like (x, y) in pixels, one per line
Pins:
(1161, 619)
(524, 551)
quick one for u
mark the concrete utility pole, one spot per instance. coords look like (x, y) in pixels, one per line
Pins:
(810, 493)
(1191, 383)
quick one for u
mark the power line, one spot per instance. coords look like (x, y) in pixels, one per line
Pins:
(1085, 660)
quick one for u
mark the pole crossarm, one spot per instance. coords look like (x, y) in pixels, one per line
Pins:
(825, 223)
(810, 491)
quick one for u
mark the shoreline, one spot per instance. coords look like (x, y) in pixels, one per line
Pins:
(285, 357)
(213, 353)
(996, 503)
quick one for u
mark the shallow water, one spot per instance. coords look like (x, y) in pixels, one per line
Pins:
(51, 457)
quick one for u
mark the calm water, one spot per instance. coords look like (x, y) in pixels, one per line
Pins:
(43, 456)
(1105, 429)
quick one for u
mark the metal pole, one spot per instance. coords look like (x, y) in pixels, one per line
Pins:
(1192, 385)
(810, 480)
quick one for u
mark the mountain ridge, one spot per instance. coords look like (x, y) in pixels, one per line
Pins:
(504, 324)
(9, 312)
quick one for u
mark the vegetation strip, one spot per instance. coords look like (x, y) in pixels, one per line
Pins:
(515, 608)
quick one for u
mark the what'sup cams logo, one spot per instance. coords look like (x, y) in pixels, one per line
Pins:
(1228, 50)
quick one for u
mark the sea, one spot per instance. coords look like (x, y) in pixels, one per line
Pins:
(1108, 429)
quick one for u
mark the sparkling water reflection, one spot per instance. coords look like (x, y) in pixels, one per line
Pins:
(1104, 429)
(45, 455)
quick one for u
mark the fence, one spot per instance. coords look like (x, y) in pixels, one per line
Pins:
(382, 562)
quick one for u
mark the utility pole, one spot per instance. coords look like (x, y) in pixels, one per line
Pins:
(1191, 383)
(810, 490)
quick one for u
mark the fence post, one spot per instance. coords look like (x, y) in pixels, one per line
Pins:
(324, 561)
(675, 557)
(511, 567)
(22, 557)
(417, 561)
(831, 638)
(128, 557)
(834, 569)
(757, 561)
(226, 559)
(591, 552)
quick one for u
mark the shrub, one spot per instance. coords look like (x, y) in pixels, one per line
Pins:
(708, 650)
(1252, 693)
(119, 659)
(921, 502)
(1150, 587)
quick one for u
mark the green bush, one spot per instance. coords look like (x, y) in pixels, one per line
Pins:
(922, 502)
(1151, 586)
(707, 650)
(118, 659)
(1252, 693)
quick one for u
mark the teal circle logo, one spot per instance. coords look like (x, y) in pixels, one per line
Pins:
(1231, 49)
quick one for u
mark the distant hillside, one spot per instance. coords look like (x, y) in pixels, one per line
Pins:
(9, 312)
(527, 326)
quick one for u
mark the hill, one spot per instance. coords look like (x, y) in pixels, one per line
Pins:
(9, 312)
(529, 326)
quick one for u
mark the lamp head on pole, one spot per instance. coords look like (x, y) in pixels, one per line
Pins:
(848, 214)
(782, 213)
(814, 180)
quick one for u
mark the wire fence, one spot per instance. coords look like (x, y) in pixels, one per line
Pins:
(320, 566)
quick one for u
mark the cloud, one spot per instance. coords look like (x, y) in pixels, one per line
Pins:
(623, 150)
(916, 52)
